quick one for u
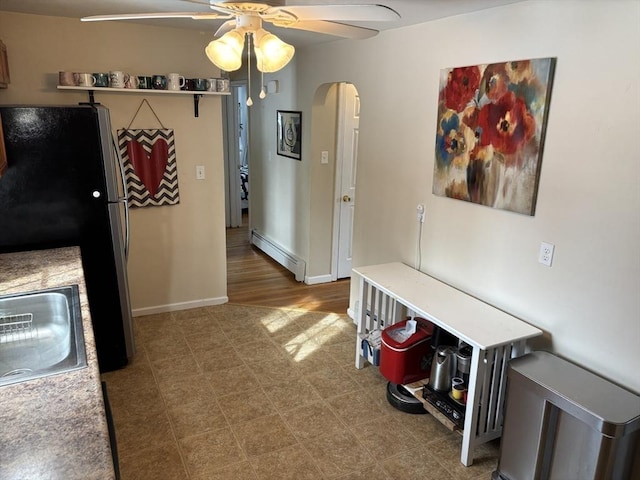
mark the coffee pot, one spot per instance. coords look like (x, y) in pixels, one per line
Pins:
(463, 361)
(443, 368)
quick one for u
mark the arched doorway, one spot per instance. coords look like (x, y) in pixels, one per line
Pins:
(332, 173)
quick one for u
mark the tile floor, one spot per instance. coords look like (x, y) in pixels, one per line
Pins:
(240, 392)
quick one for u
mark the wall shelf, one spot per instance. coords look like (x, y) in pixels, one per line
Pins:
(196, 94)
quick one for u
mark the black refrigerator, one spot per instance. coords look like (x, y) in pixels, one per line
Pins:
(64, 186)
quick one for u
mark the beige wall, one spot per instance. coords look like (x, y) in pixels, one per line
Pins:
(279, 186)
(588, 302)
(177, 258)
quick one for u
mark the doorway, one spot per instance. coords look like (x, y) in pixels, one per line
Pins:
(236, 152)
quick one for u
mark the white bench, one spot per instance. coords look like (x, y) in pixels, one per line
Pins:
(389, 292)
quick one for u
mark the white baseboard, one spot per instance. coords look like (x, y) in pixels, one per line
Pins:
(317, 279)
(279, 254)
(174, 307)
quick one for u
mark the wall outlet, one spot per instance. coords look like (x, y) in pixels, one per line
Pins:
(324, 157)
(545, 256)
(200, 172)
(420, 212)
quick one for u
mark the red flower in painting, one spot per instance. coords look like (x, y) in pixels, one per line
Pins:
(461, 87)
(495, 82)
(506, 124)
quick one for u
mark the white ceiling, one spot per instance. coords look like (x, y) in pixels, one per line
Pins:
(411, 12)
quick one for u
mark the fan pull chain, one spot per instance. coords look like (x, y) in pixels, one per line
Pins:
(262, 92)
(249, 101)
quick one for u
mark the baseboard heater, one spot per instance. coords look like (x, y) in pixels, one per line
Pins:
(279, 254)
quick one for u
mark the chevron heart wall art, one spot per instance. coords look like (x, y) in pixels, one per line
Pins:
(151, 172)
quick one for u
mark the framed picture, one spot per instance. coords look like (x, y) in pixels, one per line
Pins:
(490, 134)
(289, 136)
(3, 152)
(4, 66)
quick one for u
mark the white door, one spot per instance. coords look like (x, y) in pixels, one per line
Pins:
(346, 160)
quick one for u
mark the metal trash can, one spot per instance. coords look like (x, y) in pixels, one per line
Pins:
(563, 422)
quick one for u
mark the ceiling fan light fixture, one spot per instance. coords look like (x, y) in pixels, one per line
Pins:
(272, 54)
(226, 52)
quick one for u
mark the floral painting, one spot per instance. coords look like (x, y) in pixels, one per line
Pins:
(490, 133)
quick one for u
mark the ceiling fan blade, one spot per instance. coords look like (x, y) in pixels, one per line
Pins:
(225, 27)
(339, 13)
(143, 16)
(333, 28)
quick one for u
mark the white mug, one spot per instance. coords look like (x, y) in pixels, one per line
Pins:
(118, 79)
(175, 81)
(212, 85)
(222, 85)
(86, 80)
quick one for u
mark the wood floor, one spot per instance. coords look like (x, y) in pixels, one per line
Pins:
(253, 278)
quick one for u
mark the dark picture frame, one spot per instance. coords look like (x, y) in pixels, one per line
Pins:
(3, 152)
(289, 134)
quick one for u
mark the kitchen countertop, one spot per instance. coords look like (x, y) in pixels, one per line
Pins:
(53, 427)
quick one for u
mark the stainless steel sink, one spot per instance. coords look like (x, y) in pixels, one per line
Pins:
(40, 334)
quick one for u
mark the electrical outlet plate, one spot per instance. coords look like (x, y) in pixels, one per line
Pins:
(545, 256)
(420, 212)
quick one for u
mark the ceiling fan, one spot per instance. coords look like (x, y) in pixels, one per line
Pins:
(244, 19)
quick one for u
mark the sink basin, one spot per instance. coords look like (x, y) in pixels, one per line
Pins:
(40, 334)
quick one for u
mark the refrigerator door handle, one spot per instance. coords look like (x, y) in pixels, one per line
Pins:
(125, 197)
(126, 230)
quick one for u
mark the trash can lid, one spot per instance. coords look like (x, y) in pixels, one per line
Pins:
(605, 406)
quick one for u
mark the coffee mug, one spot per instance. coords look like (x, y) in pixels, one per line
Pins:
(189, 84)
(67, 79)
(132, 82)
(222, 85)
(200, 84)
(457, 392)
(118, 79)
(159, 82)
(212, 85)
(175, 81)
(145, 82)
(86, 80)
(102, 79)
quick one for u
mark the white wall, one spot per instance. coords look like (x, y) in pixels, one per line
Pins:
(288, 200)
(588, 302)
(279, 199)
(177, 256)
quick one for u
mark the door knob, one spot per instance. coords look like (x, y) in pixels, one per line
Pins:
(346, 198)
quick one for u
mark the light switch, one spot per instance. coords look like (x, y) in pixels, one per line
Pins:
(324, 157)
(199, 172)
